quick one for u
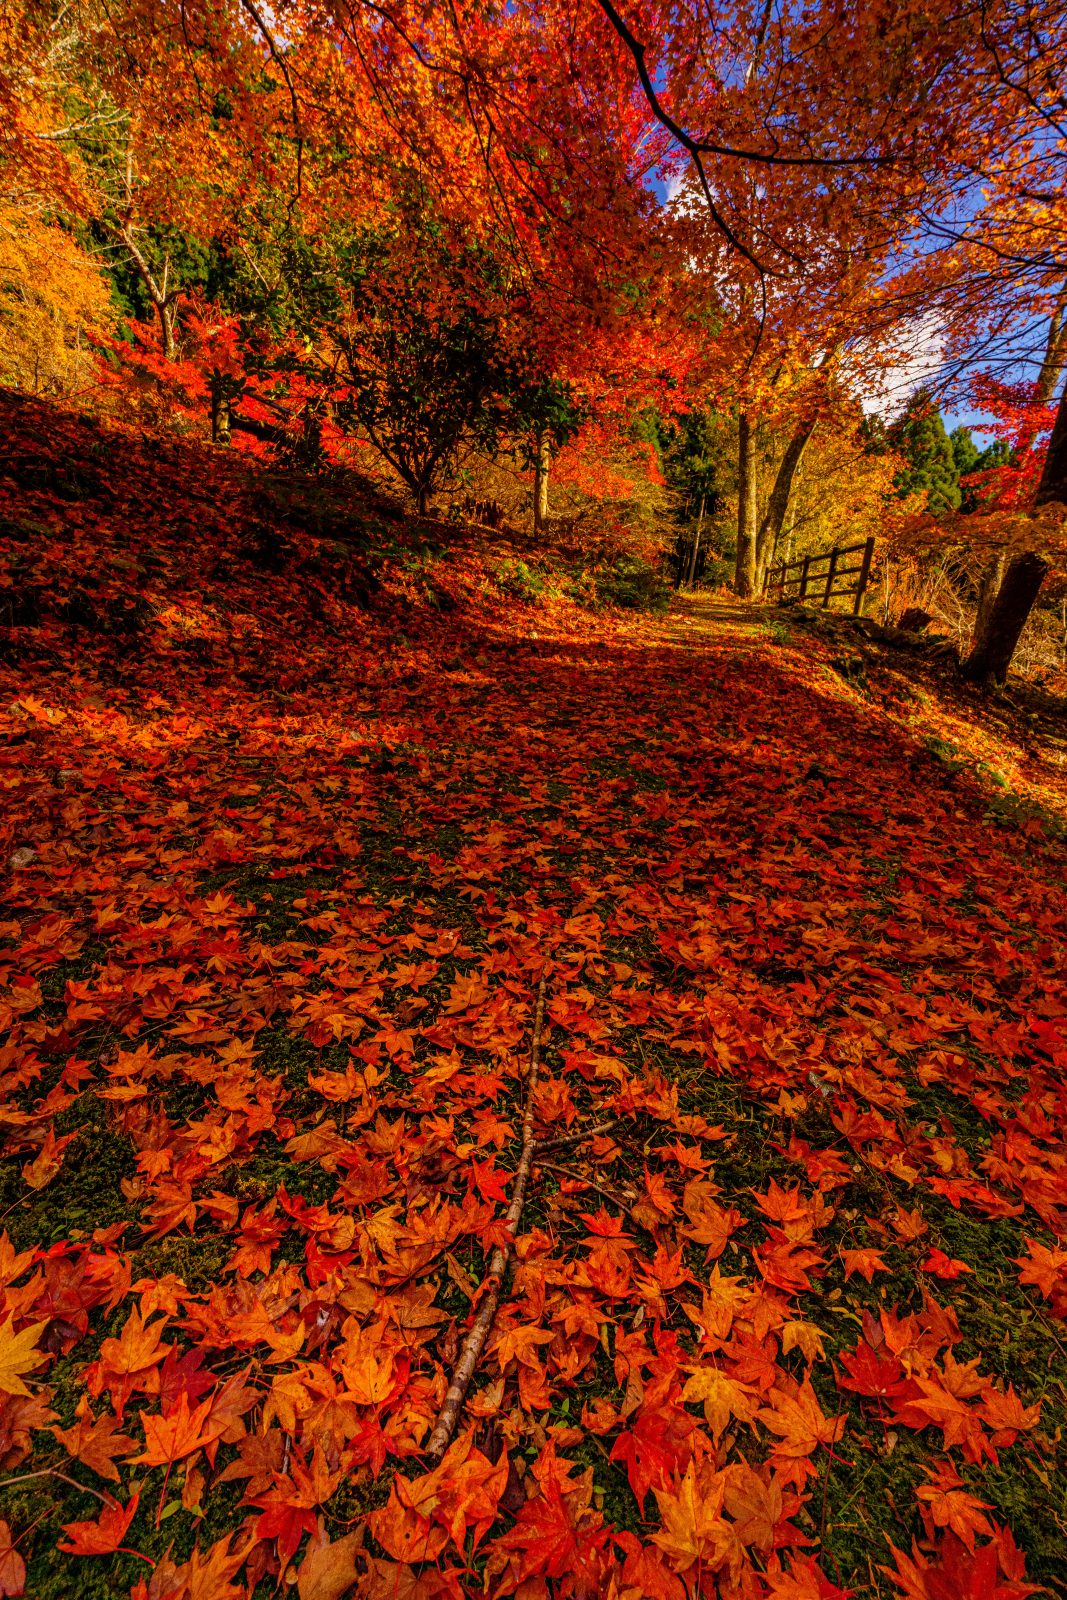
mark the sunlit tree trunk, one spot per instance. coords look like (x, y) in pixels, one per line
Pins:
(988, 589)
(1055, 358)
(770, 530)
(745, 569)
(541, 470)
(694, 554)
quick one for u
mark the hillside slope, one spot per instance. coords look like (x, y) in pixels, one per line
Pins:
(301, 800)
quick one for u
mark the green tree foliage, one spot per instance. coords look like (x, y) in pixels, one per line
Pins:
(930, 463)
(969, 460)
(965, 453)
(697, 460)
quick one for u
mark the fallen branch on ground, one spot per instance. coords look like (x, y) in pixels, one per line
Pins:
(474, 1343)
(581, 1136)
(616, 1198)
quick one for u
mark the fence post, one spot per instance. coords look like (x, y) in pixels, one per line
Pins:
(865, 572)
(830, 574)
(804, 577)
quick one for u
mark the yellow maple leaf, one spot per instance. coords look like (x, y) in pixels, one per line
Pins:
(692, 1528)
(722, 1398)
(18, 1354)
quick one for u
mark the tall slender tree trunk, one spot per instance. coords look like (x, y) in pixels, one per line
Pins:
(745, 569)
(541, 470)
(770, 529)
(696, 545)
(991, 654)
(1053, 485)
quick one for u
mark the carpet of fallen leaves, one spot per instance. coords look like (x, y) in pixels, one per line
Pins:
(290, 832)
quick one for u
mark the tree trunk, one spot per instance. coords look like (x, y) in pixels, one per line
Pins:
(221, 410)
(1053, 485)
(770, 530)
(696, 546)
(745, 569)
(988, 589)
(164, 301)
(991, 654)
(541, 469)
(1055, 357)
(1052, 365)
(166, 311)
(1019, 588)
(423, 498)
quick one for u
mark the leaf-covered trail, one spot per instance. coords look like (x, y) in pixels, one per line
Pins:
(268, 977)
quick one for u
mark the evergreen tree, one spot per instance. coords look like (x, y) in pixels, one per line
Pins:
(965, 453)
(970, 460)
(696, 460)
(919, 435)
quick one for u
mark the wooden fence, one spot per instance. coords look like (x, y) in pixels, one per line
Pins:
(819, 578)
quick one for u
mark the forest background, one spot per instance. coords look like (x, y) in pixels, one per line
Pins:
(628, 278)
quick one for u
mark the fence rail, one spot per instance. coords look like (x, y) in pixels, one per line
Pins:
(809, 579)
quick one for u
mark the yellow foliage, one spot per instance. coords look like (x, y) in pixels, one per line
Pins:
(52, 295)
(840, 494)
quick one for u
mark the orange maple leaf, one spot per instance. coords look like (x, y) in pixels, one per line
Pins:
(952, 1506)
(102, 1537)
(866, 1262)
(171, 1437)
(799, 1421)
(693, 1530)
(96, 1442)
(1045, 1268)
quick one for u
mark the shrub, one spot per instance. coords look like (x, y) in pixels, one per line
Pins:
(521, 581)
(633, 584)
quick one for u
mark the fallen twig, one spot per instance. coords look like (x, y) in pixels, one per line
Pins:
(589, 1183)
(54, 1472)
(474, 1343)
(579, 1137)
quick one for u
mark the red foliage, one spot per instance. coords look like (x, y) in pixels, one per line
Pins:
(1020, 422)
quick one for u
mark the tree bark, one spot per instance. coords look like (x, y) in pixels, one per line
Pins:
(1019, 588)
(1053, 485)
(988, 589)
(745, 569)
(423, 499)
(1052, 365)
(541, 470)
(167, 314)
(1024, 574)
(770, 529)
(1055, 358)
(696, 547)
(164, 301)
